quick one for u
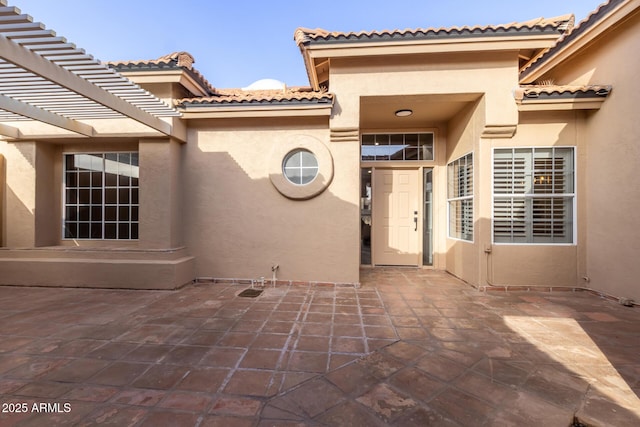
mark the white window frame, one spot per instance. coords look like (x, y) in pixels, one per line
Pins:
(574, 195)
(469, 197)
(103, 203)
(301, 168)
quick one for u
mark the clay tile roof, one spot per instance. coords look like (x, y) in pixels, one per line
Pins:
(239, 97)
(573, 32)
(564, 22)
(182, 59)
(557, 24)
(176, 60)
(561, 91)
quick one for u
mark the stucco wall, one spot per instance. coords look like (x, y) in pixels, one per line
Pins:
(237, 223)
(463, 137)
(491, 74)
(20, 193)
(33, 211)
(539, 264)
(613, 160)
(47, 212)
(160, 193)
(488, 77)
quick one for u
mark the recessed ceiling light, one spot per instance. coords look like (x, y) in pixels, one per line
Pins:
(404, 113)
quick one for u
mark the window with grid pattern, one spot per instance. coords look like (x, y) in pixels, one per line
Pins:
(101, 196)
(397, 147)
(533, 195)
(460, 197)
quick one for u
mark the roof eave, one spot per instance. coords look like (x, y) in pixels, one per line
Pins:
(303, 44)
(206, 111)
(174, 75)
(581, 37)
(561, 98)
(561, 104)
(440, 45)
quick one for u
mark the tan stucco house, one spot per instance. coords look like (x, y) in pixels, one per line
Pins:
(504, 154)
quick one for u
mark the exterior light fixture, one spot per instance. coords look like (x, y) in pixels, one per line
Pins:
(404, 112)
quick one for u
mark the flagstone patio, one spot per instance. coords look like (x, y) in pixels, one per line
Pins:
(410, 347)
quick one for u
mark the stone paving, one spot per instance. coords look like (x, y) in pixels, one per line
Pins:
(408, 348)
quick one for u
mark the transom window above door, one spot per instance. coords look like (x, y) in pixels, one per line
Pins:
(397, 147)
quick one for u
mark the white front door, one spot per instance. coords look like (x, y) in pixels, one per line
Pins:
(396, 217)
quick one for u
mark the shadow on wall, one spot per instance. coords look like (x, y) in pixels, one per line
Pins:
(17, 218)
(239, 227)
(18, 231)
(28, 183)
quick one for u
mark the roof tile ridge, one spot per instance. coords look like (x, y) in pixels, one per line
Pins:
(255, 96)
(181, 59)
(573, 29)
(303, 34)
(541, 22)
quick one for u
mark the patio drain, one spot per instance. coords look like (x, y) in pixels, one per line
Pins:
(250, 293)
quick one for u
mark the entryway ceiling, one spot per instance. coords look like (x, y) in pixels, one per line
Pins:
(378, 112)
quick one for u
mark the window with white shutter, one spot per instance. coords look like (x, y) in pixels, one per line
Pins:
(460, 197)
(533, 195)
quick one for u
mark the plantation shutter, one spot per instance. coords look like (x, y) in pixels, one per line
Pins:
(460, 195)
(533, 195)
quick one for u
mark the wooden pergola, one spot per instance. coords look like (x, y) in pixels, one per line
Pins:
(49, 88)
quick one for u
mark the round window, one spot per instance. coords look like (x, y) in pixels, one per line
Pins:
(300, 167)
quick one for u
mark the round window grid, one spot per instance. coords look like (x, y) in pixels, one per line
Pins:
(281, 152)
(300, 167)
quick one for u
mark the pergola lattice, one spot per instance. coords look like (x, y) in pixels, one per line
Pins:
(45, 79)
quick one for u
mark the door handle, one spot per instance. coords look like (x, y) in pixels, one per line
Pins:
(415, 220)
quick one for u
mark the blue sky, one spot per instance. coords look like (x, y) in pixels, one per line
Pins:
(236, 42)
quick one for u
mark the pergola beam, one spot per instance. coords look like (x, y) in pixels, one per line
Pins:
(44, 116)
(40, 66)
(10, 131)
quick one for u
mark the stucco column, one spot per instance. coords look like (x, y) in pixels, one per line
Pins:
(160, 202)
(344, 143)
(20, 194)
(501, 119)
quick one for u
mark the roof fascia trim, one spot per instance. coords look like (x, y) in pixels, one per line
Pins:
(210, 111)
(163, 69)
(579, 40)
(589, 99)
(561, 104)
(176, 75)
(431, 46)
(310, 66)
